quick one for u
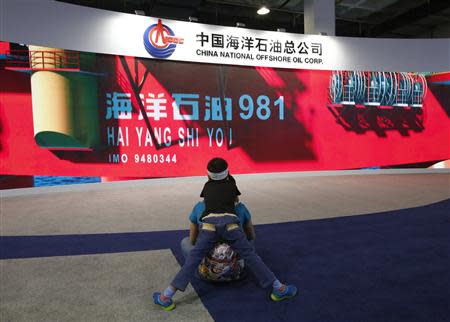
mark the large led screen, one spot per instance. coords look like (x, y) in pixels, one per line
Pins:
(75, 113)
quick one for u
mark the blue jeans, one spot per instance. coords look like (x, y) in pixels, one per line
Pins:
(186, 246)
(206, 241)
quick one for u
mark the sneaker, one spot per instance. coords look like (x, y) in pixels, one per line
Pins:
(168, 305)
(289, 291)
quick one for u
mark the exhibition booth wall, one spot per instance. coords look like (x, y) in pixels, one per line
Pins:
(97, 93)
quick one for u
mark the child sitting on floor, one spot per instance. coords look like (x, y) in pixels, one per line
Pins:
(220, 223)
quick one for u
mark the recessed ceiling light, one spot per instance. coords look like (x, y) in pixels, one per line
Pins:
(263, 11)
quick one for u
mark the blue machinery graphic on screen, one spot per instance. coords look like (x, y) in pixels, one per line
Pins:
(377, 88)
(160, 40)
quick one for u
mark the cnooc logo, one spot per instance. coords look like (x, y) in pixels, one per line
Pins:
(160, 40)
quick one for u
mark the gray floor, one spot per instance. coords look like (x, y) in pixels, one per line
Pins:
(105, 287)
(117, 287)
(163, 204)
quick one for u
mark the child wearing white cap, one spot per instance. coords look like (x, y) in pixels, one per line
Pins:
(220, 223)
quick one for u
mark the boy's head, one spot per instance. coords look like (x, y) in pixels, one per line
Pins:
(217, 169)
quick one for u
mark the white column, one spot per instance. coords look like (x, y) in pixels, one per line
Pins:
(319, 17)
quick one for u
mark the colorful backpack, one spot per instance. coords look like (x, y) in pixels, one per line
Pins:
(222, 264)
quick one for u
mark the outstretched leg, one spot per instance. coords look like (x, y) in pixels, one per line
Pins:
(205, 242)
(263, 274)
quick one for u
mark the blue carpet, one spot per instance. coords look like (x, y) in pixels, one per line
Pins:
(392, 266)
